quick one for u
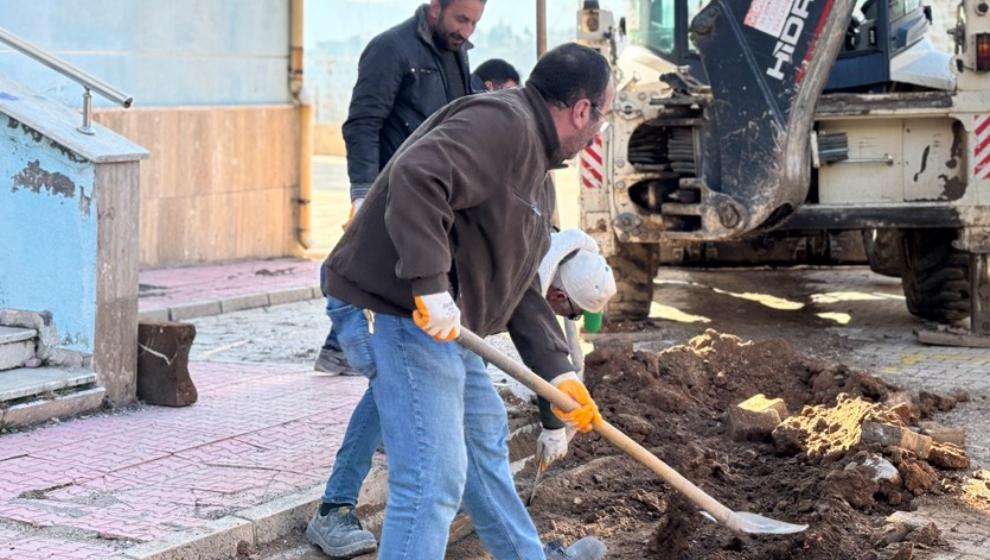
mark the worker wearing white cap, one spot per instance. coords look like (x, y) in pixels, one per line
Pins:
(575, 279)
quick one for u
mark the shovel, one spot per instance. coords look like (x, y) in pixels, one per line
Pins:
(736, 520)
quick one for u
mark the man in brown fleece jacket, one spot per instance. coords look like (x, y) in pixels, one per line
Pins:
(452, 231)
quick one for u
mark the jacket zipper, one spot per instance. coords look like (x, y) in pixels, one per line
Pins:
(532, 205)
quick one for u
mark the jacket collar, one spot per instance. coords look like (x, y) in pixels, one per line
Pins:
(426, 34)
(548, 131)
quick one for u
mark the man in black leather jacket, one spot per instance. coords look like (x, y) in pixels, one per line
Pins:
(405, 74)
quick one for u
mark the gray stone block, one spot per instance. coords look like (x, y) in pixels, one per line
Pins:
(193, 310)
(154, 315)
(240, 303)
(290, 296)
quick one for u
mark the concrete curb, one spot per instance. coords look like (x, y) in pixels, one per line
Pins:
(224, 538)
(193, 310)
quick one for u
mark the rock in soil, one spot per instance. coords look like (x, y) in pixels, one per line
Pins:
(816, 469)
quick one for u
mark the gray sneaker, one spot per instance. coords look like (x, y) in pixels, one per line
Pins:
(339, 534)
(333, 362)
(588, 548)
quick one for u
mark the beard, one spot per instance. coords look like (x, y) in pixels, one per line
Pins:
(581, 140)
(444, 38)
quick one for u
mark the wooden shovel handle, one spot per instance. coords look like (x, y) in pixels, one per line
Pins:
(544, 389)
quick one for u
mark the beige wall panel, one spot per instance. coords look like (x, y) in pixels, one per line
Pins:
(328, 140)
(220, 181)
(149, 232)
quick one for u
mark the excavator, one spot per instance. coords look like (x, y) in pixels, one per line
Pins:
(781, 129)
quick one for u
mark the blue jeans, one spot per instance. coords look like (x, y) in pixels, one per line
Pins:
(445, 431)
(353, 461)
(364, 432)
(331, 342)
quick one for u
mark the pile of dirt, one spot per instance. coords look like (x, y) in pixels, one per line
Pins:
(849, 455)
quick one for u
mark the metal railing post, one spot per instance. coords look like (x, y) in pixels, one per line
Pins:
(87, 115)
(86, 80)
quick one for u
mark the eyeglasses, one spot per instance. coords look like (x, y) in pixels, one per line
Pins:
(596, 109)
(575, 311)
(603, 122)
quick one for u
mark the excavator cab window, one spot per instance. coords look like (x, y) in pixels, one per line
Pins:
(662, 26)
(879, 30)
(653, 24)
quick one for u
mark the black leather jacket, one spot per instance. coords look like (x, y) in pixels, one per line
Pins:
(401, 82)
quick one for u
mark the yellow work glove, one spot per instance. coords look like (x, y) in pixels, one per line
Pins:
(438, 315)
(355, 205)
(583, 418)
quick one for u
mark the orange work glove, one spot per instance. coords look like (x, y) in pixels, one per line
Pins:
(438, 315)
(586, 416)
(355, 205)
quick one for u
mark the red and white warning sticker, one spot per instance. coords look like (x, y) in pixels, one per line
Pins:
(768, 16)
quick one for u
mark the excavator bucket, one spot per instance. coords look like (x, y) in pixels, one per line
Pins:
(767, 62)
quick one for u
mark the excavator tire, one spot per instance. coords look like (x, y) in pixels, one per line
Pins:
(884, 251)
(936, 275)
(635, 266)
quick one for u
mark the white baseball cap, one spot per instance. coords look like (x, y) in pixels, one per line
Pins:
(588, 280)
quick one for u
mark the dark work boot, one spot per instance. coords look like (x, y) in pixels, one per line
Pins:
(339, 534)
(588, 548)
(333, 362)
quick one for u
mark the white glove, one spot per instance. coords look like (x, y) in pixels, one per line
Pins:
(551, 446)
(438, 315)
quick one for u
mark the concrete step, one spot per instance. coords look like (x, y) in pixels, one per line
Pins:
(15, 334)
(17, 345)
(54, 406)
(21, 383)
(30, 395)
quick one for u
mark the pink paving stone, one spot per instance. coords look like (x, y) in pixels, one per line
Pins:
(24, 474)
(258, 432)
(114, 522)
(176, 286)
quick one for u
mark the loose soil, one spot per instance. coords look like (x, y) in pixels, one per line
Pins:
(812, 469)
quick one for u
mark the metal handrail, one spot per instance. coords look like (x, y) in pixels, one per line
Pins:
(86, 80)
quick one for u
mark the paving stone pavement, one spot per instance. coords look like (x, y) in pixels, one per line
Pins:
(182, 286)
(91, 486)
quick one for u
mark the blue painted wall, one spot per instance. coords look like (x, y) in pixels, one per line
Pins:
(163, 52)
(47, 262)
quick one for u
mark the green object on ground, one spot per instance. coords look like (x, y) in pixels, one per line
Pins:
(592, 322)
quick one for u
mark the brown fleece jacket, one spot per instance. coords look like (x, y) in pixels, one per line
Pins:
(464, 205)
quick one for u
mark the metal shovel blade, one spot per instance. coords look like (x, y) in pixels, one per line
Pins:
(755, 524)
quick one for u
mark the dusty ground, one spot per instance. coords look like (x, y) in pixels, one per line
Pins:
(811, 470)
(847, 315)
